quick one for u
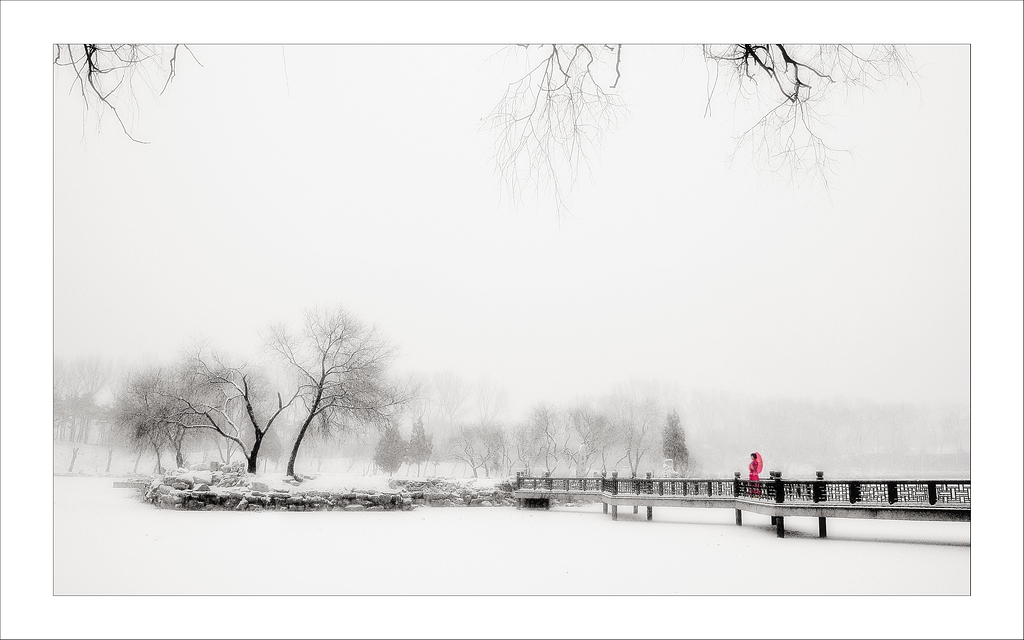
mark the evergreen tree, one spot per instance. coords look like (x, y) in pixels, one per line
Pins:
(391, 450)
(674, 442)
(420, 445)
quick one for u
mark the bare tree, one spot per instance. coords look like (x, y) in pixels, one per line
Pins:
(467, 445)
(552, 116)
(527, 443)
(548, 431)
(451, 394)
(340, 367)
(793, 86)
(142, 407)
(566, 99)
(491, 400)
(235, 401)
(593, 433)
(107, 75)
(634, 414)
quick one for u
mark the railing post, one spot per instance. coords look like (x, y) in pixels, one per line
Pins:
(709, 489)
(736, 488)
(818, 488)
(780, 491)
(854, 492)
(519, 480)
(636, 489)
(891, 486)
(604, 483)
(933, 496)
(649, 489)
(615, 483)
(549, 482)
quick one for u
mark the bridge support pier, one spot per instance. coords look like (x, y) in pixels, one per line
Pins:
(780, 526)
(739, 518)
(773, 520)
(821, 527)
(615, 512)
(519, 504)
(604, 507)
(636, 508)
(650, 513)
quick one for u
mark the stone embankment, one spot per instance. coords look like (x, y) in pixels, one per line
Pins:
(230, 488)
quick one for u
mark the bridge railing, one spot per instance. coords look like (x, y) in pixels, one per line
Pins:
(864, 492)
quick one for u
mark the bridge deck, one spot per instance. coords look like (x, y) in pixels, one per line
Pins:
(925, 500)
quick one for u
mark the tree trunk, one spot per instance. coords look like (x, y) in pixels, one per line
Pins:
(137, 460)
(254, 454)
(298, 441)
(110, 457)
(74, 456)
(159, 465)
(179, 458)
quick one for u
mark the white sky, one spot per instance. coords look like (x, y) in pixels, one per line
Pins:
(671, 267)
(361, 178)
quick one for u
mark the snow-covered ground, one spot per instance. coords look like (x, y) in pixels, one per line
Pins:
(107, 542)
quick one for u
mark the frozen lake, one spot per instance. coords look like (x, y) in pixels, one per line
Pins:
(107, 542)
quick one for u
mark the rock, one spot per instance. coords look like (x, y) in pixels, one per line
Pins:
(259, 486)
(355, 507)
(376, 508)
(486, 503)
(202, 487)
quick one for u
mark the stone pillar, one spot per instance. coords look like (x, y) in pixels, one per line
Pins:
(739, 518)
(650, 513)
(821, 527)
(615, 512)
(780, 526)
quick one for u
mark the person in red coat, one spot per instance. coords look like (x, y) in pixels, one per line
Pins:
(756, 464)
